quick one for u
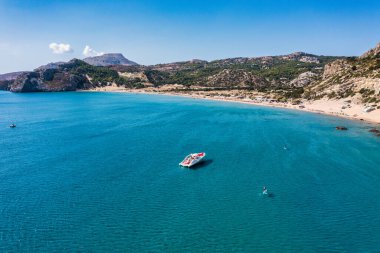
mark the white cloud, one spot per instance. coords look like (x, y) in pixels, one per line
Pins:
(88, 51)
(60, 48)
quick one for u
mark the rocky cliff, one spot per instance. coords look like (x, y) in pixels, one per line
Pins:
(356, 77)
(7, 79)
(47, 80)
(69, 76)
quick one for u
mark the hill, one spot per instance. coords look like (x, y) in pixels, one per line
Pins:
(354, 77)
(262, 73)
(108, 60)
(70, 76)
(294, 76)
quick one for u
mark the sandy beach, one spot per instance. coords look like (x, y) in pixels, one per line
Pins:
(340, 108)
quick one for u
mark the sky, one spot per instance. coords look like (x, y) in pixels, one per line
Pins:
(36, 32)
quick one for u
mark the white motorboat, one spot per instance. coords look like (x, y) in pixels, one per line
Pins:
(192, 159)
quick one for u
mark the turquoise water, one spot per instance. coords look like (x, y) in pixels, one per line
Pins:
(89, 172)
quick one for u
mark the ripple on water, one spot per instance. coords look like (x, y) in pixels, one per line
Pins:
(99, 172)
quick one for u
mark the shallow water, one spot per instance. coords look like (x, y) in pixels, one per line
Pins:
(99, 172)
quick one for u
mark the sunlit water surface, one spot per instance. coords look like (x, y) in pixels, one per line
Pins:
(89, 172)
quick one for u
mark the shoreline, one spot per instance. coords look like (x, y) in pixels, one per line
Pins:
(316, 107)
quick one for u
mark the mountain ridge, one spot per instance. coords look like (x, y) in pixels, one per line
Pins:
(108, 60)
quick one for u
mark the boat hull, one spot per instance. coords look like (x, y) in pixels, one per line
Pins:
(192, 159)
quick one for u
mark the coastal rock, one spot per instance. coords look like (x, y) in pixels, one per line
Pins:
(47, 80)
(27, 82)
(374, 130)
(78, 82)
(68, 76)
(5, 85)
(7, 79)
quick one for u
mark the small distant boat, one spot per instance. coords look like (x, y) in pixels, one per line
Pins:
(12, 125)
(265, 191)
(192, 159)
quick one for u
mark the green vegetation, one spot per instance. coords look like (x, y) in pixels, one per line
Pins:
(129, 83)
(291, 93)
(332, 95)
(257, 73)
(99, 76)
(156, 77)
(263, 74)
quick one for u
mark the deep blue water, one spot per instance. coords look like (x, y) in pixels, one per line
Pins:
(89, 172)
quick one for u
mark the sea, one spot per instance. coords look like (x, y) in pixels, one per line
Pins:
(98, 172)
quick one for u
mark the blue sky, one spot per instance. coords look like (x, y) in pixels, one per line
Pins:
(151, 32)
